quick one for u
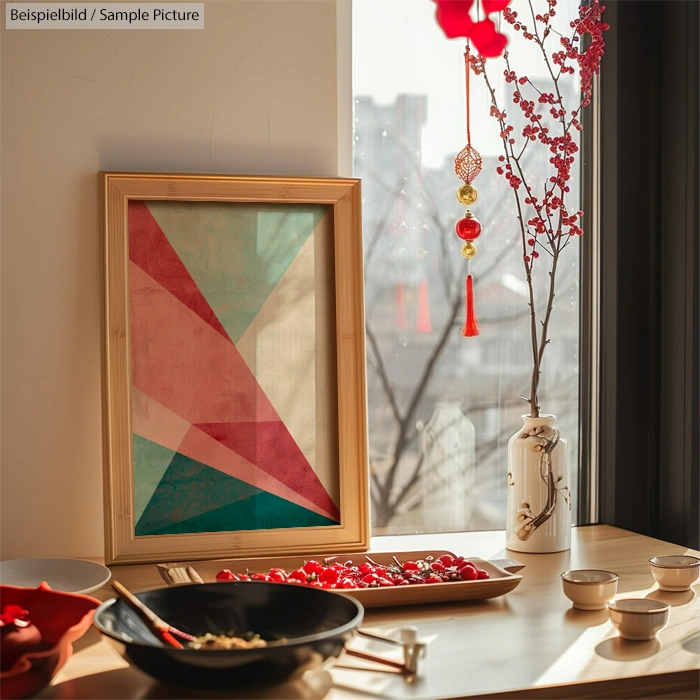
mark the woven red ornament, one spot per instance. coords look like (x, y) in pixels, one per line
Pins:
(468, 164)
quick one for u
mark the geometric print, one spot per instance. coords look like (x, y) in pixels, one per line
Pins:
(211, 452)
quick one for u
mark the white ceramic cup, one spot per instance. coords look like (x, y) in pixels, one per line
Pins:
(675, 573)
(589, 589)
(638, 619)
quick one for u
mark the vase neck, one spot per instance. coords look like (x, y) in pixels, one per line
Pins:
(544, 419)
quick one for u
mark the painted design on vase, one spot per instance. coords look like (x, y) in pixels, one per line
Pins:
(538, 510)
(528, 522)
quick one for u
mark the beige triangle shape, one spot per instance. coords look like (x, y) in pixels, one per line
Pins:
(289, 346)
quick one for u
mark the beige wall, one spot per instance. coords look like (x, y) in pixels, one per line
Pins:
(254, 92)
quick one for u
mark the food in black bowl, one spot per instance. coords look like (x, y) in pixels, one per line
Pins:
(303, 628)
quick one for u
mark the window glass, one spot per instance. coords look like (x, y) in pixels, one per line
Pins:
(442, 406)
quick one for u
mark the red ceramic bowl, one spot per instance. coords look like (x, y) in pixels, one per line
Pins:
(62, 618)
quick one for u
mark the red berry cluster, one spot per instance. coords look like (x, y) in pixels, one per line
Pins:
(549, 215)
(369, 574)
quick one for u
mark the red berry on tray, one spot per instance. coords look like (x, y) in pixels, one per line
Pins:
(469, 573)
(299, 575)
(225, 575)
(447, 560)
(433, 578)
(313, 567)
(438, 566)
(411, 566)
(329, 576)
(483, 574)
(277, 576)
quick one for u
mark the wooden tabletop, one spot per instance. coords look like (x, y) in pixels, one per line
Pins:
(529, 643)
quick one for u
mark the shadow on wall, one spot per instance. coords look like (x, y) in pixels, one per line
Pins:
(211, 157)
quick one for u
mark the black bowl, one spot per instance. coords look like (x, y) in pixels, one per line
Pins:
(316, 625)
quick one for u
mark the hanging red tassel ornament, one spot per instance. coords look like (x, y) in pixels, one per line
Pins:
(468, 228)
(471, 326)
(423, 319)
(400, 319)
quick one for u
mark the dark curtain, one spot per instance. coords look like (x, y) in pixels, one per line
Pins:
(650, 270)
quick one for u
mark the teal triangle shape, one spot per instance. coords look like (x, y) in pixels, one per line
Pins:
(192, 497)
(263, 511)
(187, 489)
(151, 461)
(236, 252)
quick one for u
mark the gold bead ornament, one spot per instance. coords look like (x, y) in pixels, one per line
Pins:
(467, 194)
(468, 250)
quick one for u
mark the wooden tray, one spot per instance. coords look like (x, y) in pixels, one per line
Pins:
(502, 580)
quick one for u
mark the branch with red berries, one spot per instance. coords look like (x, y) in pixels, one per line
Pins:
(545, 221)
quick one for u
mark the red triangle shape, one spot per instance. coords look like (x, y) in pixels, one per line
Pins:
(271, 447)
(150, 249)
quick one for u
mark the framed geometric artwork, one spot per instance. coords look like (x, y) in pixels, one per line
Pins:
(234, 369)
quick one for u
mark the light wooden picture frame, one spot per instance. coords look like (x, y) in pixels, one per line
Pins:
(235, 420)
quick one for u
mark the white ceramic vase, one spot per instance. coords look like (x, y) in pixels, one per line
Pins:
(538, 512)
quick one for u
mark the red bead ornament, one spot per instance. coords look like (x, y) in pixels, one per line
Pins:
(468, 228)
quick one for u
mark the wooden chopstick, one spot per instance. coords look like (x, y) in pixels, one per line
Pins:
(196, 578)
(375, 658)
(379, 638)
(161, 629)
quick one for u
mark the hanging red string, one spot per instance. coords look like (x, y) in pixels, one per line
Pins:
(467, 167)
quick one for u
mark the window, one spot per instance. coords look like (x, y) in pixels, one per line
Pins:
(441, 406)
